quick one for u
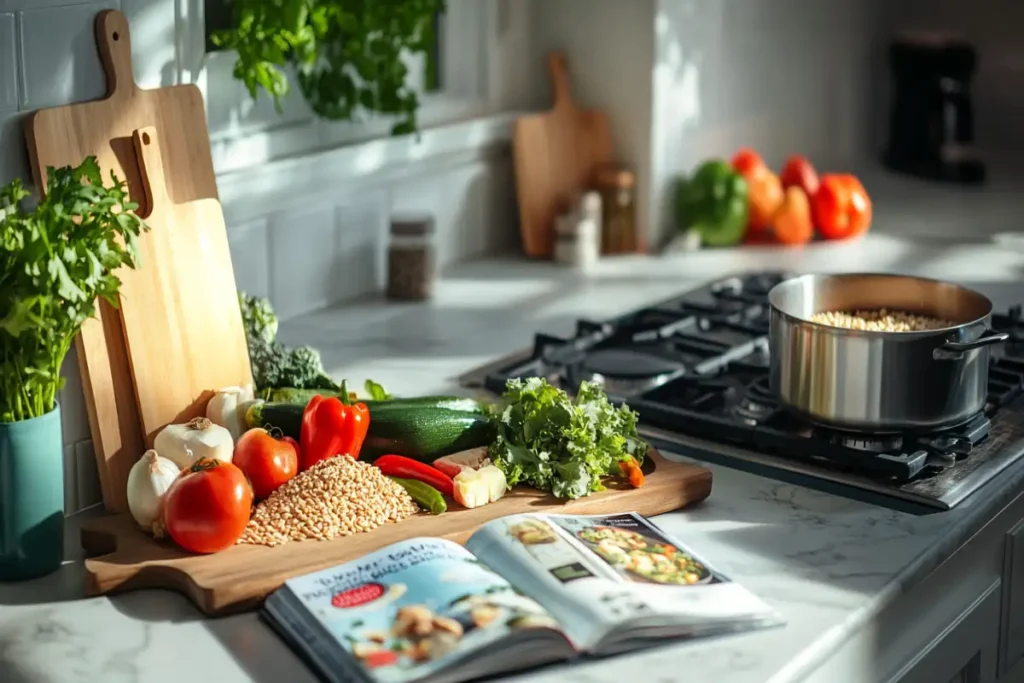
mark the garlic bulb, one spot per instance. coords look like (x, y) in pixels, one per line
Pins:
(226, 408)
(183, 444)
(148, 480)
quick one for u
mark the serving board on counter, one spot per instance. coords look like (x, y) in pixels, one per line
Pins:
(123, 558)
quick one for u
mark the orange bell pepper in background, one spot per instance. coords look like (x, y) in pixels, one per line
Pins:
(330, 428)
(792, 223)
(764, 193)
(841, 207)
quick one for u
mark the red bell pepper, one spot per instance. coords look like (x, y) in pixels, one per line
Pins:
(841, 207)
(330, 428)
(407, 468)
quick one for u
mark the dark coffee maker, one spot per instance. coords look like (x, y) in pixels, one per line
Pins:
(931, 127)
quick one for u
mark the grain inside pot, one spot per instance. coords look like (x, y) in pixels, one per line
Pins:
(882, 320)
(336, 497)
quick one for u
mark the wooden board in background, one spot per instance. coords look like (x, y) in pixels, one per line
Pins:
(556, 155)
(182, 324)
(124, 558)
(63, 136)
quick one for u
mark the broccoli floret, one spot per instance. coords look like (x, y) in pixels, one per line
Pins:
(305, 370)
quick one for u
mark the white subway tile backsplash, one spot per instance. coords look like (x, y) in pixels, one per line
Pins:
(87, 476)
(8, 66)
(59, 59)
(250, 258)
(304, 271)
(12, 150)
(362, 231)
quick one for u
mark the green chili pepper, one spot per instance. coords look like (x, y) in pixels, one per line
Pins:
(714, 203)
(425, 495)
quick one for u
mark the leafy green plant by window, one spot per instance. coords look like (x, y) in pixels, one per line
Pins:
(55, 261)
(347, 54)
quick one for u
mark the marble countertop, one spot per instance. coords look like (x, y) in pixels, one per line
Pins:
(828, 564)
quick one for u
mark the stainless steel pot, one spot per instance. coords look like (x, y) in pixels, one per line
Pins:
(880, 381)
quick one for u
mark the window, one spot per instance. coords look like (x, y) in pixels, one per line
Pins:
(451, 81)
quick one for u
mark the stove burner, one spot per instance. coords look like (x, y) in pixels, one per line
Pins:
(625, 372)
(757, 404)
(873, 443)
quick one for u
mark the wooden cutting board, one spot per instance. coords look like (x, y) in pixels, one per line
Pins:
(124, 558)
(182, 323)
(556, 156)
(63, 136)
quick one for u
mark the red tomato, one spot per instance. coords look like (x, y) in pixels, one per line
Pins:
(747, 162)
(798, 172)
(267, 461)
(207, 507)
(793, 223)
(842, 208)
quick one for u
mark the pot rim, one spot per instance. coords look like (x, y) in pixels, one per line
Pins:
(881, 334)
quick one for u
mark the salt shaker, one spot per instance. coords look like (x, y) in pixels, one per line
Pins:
(412, 261)
(576, 241)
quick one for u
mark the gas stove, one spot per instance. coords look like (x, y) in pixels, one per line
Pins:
(695, 368)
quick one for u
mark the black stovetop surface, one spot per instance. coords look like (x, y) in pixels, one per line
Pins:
(696, 365)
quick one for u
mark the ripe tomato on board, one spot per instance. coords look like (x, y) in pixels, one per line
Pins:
(207, 507)
(266, 460)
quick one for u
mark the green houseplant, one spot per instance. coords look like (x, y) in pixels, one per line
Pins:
(347, 54)
(55, 260)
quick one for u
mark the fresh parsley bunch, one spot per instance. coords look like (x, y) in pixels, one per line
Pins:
(55, 261)
(560, 444)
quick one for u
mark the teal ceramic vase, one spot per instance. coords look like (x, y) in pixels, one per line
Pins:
(31, 497)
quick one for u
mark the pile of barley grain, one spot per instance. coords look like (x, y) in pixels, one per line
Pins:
(881, 320)
(336, 497)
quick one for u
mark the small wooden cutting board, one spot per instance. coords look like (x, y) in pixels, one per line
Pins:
(182, 322)
(556, 156)
(237, 579)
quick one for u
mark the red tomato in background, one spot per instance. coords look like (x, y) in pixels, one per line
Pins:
(748, 163)
(842, 208)
(798, 172)
(207, 507)
(267, 461)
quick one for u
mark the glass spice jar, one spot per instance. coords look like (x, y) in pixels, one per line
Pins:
(617, 186)
(412, 262)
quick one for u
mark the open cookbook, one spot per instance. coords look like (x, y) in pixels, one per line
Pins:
(526, 590)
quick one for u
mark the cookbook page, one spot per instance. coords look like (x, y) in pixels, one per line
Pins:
(416, 607)
(596, 572)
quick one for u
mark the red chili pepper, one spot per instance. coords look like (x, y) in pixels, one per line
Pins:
(407, 468)
(631, 469)
(330, 428)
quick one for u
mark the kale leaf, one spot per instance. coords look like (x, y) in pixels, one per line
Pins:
(560, 444)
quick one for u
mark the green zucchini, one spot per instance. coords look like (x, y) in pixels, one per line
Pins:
(421, 431)
(425, 433)
(425, 495)
(457, 403)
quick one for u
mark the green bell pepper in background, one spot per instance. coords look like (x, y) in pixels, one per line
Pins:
(714, 203)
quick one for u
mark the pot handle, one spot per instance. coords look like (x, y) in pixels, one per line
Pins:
(954, 349)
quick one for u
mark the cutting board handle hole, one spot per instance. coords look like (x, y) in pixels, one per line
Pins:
(116, 35)
(145, 138)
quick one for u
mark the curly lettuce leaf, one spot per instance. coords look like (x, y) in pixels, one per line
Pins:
(559, 444)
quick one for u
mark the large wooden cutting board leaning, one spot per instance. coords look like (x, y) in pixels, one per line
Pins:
(124, 558)
(556, 156)
(175, 119)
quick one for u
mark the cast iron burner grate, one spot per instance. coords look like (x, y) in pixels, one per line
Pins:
(697, 364)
